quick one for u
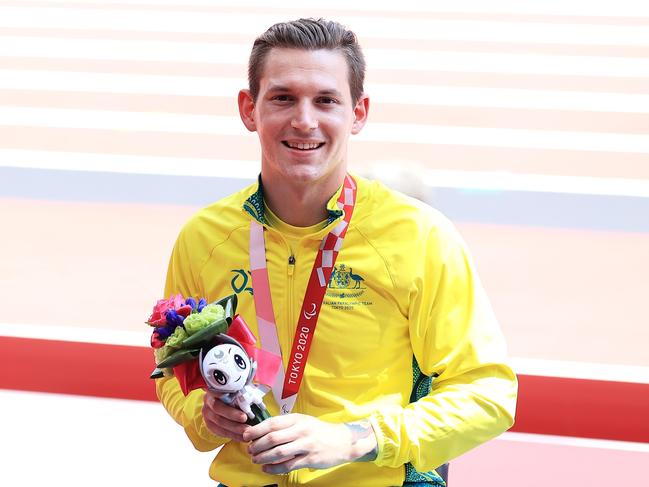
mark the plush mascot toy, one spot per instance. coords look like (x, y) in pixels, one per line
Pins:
(227, 369)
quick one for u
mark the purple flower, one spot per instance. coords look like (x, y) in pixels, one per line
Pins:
(201, 304)
(174, 319)
(191, 302)
(165, 332)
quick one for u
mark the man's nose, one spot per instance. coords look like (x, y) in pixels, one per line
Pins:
(304, 118)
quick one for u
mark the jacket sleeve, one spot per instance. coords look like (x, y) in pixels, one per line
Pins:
(456, 340)
(186, 410)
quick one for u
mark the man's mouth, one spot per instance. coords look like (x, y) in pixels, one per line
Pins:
(303, 145)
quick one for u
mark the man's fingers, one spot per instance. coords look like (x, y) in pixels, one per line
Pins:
(271, 440)
(223, 420)
(275, 423)
(233, 426)
(287, 466)
(279, 454)
(230, 430)
(214, 404)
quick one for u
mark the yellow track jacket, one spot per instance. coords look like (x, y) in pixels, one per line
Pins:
(404, 300)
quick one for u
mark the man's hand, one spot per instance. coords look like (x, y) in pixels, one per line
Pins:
(285, 443)
(223, 420)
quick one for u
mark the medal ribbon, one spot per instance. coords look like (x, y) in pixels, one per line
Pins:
(287, 383)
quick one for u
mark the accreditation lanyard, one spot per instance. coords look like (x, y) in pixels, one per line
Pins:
(287, 383)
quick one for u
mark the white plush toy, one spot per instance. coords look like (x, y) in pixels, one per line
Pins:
(227, 369)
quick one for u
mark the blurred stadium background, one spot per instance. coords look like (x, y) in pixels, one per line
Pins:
(525, 122)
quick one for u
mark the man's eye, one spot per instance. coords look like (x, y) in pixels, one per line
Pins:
(327, 100)
(281, 98)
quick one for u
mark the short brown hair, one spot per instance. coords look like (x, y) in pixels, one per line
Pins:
(309, 34)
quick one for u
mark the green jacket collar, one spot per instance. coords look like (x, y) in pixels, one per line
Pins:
(254, 205)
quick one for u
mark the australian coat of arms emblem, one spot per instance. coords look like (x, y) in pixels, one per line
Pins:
(343, 277)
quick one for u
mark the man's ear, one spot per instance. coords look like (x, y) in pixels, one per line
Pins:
(247, 109)
(361, 112)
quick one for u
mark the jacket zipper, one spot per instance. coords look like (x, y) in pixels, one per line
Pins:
(291, 478)
(290, 270)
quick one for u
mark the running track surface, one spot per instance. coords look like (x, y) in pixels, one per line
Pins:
(49, 439)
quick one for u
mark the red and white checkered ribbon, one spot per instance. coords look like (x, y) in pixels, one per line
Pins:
(287, 383)
(333, 242)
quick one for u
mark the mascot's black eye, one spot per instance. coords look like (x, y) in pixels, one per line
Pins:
(220, 377)
(238, 359)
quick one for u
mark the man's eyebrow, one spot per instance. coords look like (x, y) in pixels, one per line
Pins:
(277, 88)
(282, 88)
(330, 92)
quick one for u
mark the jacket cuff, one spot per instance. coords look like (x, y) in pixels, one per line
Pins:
(383, 423)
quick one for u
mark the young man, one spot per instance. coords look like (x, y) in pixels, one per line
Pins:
(386, 279)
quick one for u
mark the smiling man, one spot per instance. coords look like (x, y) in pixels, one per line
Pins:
(393, 362)
(303, 111)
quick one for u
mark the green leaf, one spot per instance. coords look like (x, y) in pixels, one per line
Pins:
(179, 357)
(202, 337)
(229, 304)
(157, 373)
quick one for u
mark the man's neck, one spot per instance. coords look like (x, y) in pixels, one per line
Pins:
(299, 205)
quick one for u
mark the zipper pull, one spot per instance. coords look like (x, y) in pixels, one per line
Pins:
(291, 265)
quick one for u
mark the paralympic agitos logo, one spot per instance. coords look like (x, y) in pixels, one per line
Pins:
(240, 281)
(311, 313)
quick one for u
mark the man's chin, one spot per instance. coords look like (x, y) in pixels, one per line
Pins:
(304, 172)
(307, 174)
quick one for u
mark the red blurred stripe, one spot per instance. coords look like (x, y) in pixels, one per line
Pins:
(88, 369)
(546, 405)
(583, 408)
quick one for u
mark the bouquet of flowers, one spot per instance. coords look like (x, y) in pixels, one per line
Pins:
(208, 346)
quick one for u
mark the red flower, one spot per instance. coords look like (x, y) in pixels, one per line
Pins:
(155, 340)
(184, 311)
(157, 317)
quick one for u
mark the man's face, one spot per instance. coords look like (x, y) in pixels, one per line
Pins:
(303, 115)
